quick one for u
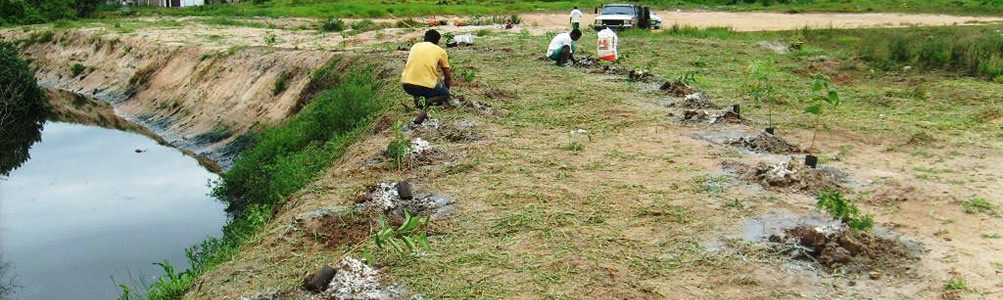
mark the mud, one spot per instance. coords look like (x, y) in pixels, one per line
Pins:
(789, 176)
(837, 249)
(765, 143)
(384, 197)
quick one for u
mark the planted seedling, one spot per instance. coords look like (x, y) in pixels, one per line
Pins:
(760, 73)
(843, 210)
(822, 92)
(405, 240)
(399, 147)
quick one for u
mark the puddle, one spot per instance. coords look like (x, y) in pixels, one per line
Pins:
(760, 228)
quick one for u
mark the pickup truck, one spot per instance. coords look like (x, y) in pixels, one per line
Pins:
(622, 16)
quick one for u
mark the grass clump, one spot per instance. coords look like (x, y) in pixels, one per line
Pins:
(280, 84)
(957, 284)
(832, 202)
(979, 205)
(283, 160)
(332, 25)
(77, 69)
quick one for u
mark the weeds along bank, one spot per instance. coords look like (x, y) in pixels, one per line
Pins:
(286, 157)
(195, 98)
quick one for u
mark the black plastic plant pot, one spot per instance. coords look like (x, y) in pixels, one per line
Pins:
(319, 281)
(422, 116)
(770, 130)
(404, 190)
(737, 109)
(811, 160)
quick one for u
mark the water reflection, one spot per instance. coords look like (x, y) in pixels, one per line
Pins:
(88, 208)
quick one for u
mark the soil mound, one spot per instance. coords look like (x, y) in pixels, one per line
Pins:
(838, 249)
(394, 198)
(765, 143)
(696, 101)
(703, 116)
(677, 88)
(789, 176)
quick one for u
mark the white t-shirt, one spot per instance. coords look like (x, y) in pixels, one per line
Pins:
(576, 16)
(558, 42)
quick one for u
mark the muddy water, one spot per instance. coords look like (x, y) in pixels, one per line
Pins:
(87, 212)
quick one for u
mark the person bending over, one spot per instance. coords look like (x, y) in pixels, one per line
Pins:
(421, 73)
(562, 47)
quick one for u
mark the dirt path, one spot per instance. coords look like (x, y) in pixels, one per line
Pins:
(766, 21)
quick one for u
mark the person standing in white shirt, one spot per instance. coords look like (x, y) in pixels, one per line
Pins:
(576, 18)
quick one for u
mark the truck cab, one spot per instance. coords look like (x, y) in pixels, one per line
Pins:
(622, 16)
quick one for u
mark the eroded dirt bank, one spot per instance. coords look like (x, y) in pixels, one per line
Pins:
(196, 98)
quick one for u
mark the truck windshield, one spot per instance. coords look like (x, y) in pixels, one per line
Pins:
(617, 10)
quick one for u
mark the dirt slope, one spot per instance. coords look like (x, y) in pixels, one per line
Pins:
(196, 98)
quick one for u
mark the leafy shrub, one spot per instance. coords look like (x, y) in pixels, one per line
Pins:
(287, 156)
(843, 210)
(332, 25)
(77, 69)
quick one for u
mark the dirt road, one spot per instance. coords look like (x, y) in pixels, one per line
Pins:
(767, 21)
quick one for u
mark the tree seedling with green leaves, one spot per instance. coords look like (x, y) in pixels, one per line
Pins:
(843, 210)
(760, 73)
(822, 92)
(399, 147)
(405, 240)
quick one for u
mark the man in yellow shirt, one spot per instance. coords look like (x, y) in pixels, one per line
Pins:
(421, 76)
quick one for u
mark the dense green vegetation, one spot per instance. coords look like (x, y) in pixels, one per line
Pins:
(373, 8)
(973, 51)
(22, 109)
(284, 159)
(42, 11)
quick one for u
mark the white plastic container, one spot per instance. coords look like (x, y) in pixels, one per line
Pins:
(607, 45)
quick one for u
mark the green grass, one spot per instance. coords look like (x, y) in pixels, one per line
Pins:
(284, 159)
(971, 50)
(374, 8)
(956, 284)
(979, 205)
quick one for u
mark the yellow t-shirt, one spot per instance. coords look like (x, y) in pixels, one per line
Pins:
(422, 64)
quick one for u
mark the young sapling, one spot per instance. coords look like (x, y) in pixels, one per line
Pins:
(760, 73)
(822, 92)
